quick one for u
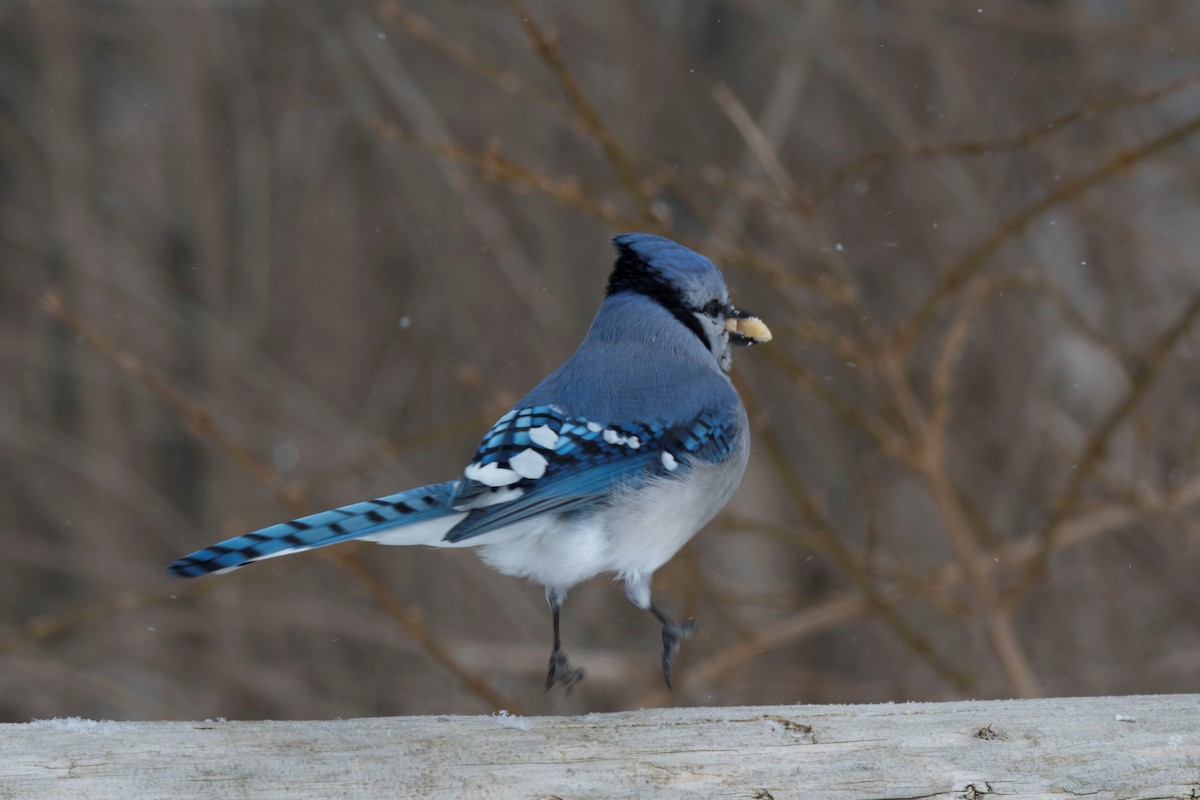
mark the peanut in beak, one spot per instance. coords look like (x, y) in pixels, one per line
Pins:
(750, 327)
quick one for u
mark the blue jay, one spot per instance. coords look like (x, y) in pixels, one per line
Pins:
(611, 464)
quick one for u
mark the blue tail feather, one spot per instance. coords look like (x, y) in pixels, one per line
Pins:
(318, 530)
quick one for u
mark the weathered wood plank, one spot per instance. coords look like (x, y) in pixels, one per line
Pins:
(1108, 747)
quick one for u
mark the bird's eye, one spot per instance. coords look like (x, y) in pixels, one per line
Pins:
(713, 308)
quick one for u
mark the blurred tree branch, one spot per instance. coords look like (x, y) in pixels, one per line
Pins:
(204, 427)
(934, 430)
(957, 276)
(847, 173)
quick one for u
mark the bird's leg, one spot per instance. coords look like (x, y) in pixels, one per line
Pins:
(672, 634)
(561, 670)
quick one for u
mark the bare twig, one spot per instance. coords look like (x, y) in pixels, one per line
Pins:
(849, 606)
(197, 420)
(410, 620)
(1096, 445)
(545, 46)
(494, 166)
(207, 429)
(927, 460)
(387, 451)
(997, 621)
(955, 338)
(1089, 110)
(50, 626)
(954, 280)
(422, 29)
(855, 415)
(715, 670)
(758, 143)
(847, 561)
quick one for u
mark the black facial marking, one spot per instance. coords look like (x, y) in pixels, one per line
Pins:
(632, 274)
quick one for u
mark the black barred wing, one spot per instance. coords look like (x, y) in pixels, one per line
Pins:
(537, 460)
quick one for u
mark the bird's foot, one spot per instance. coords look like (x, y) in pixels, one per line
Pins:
(562, 672)
(672, 634)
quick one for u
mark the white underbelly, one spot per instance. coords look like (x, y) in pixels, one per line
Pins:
(551, 550)
(634, 535)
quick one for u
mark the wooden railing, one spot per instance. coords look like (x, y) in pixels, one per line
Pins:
(1105, 747)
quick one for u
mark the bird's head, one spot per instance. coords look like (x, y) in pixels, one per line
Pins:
(689, 286)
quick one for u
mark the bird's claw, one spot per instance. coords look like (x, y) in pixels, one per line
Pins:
(562, 672)
(672, 634)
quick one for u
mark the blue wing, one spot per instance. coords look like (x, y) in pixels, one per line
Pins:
(536, 460)
(532, 461)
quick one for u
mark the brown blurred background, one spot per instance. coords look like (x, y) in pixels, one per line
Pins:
(258, 259)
